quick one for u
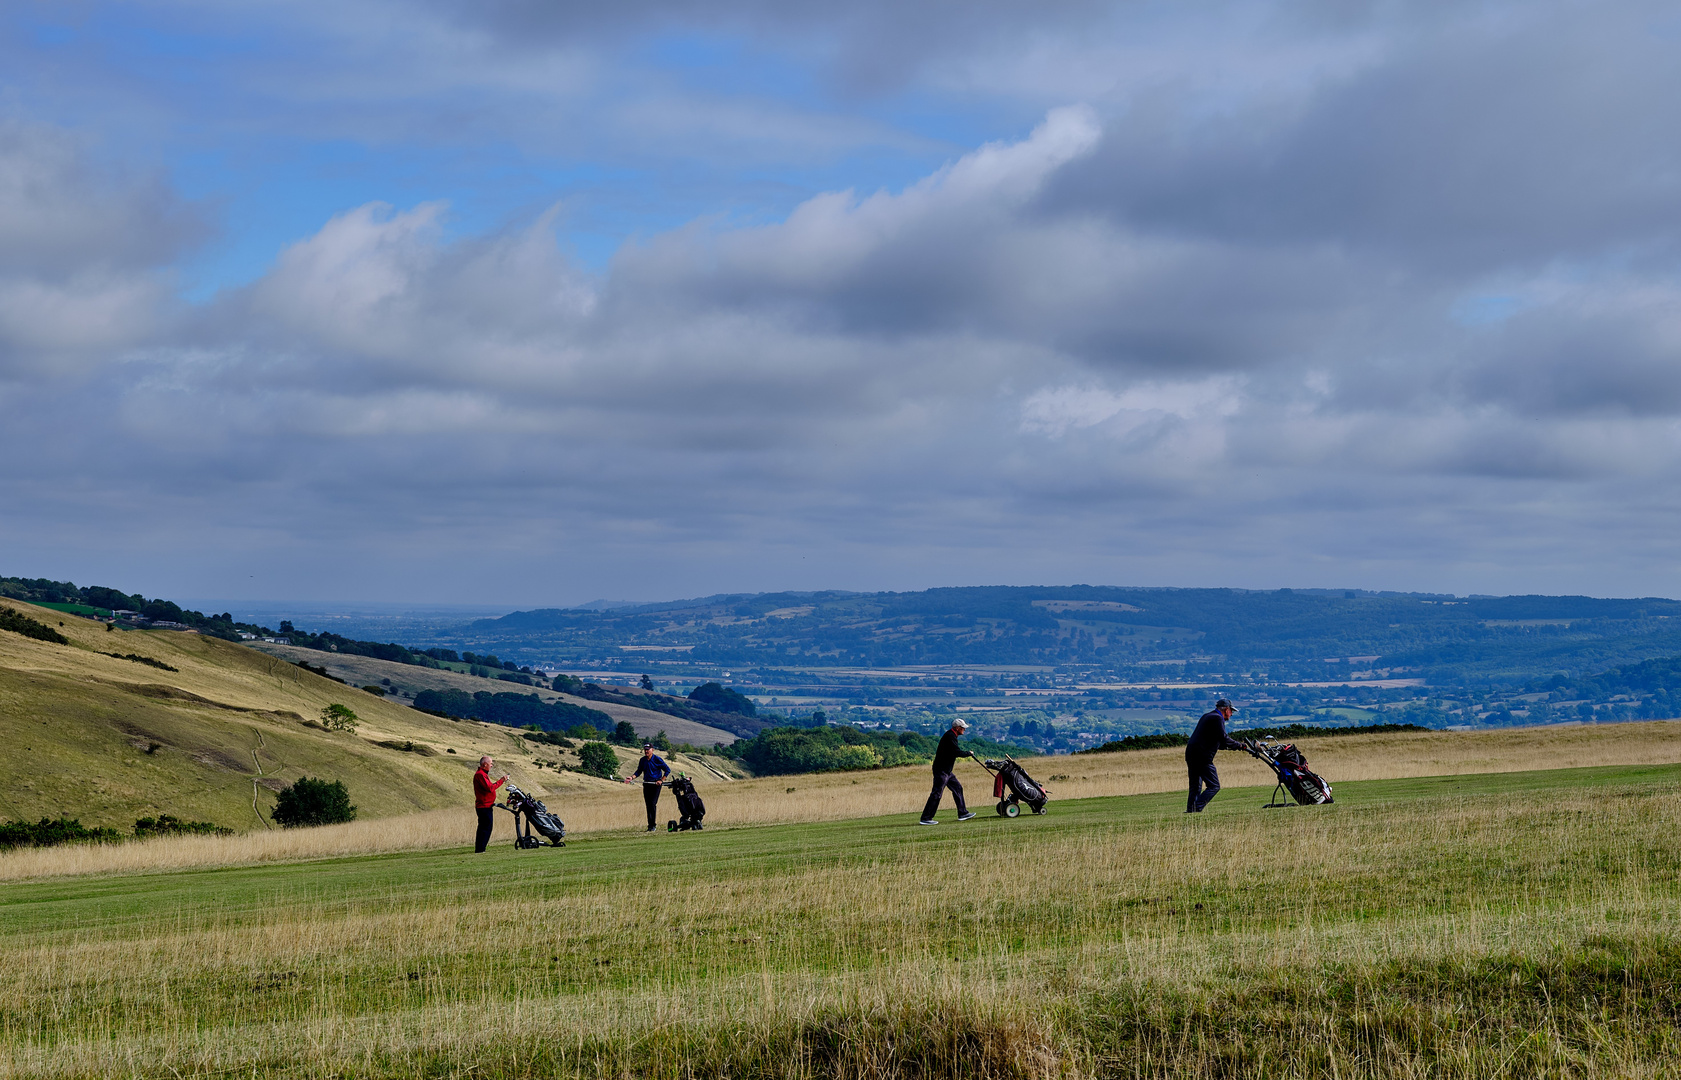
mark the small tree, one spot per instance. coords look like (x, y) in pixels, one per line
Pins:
(647, 683)
(598, 759)
(661, 742)
(337, 717)
(624, 734)
(313, 802)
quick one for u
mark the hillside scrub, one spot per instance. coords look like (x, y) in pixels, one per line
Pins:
(19, 623)
(49, 832)
(1498, 930)
(169, 825)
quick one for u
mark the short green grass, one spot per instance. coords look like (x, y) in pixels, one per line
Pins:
(1490, 925)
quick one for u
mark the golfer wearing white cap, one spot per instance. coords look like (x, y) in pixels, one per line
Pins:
(944, 758)
(1209, 738)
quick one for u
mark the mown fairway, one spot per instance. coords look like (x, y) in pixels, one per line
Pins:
(1522, 924)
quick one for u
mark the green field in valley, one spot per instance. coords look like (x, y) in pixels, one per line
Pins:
(1490, 925)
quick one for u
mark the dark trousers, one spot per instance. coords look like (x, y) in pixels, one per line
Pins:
(1205, 784)
(942, 781)
(651, 796)
(487, 822)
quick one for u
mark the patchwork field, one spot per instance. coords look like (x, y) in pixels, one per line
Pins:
(1513, 923)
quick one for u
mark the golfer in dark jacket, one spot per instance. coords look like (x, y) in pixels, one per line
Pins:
(1208, 739)
(653, 770)
(944, 758)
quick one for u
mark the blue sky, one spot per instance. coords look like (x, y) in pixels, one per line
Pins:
(532, 303)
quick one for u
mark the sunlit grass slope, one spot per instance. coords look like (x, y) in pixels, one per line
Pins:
(1521, 924)
(107, 739)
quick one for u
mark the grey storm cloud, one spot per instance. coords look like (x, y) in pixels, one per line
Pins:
(85, 254)
(1411, 311)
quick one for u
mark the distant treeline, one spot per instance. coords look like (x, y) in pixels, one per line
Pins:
(734, 713)
(1288, 731)
(1654, 684)
(511, 710)
(102, 598)
(781, 751)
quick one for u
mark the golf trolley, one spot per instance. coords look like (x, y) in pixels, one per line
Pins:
(532, 817)
(1295, 779)
(1008, 776)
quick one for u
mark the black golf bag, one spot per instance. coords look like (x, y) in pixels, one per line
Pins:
(1289, 764)
(1011, 786)
(532, 817)
(688, 804)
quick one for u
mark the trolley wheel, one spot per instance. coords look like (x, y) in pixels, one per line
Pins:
(1010, 809)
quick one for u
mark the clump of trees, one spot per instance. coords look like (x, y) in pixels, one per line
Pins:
(720, 697)
(313, 802)
(336, 717)
(598, 759)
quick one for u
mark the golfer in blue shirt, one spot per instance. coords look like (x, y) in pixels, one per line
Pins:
(653, 770)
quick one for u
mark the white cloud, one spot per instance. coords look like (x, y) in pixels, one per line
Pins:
(1234, 295)
(1055, 411)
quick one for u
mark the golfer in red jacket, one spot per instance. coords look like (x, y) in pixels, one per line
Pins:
(484, 799)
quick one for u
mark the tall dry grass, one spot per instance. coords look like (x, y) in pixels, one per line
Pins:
(848, 796)
(1463, 938)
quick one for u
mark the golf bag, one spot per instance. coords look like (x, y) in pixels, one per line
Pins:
(1011, 786)
(1289, 764)
(532, 817)
(688, 804)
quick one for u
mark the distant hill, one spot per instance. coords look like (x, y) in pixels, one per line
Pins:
(106, 738)
(1284, 634)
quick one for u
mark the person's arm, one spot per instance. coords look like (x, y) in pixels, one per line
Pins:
(494, 786)
(1226, 741)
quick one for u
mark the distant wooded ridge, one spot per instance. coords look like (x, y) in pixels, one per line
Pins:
(1140, 634)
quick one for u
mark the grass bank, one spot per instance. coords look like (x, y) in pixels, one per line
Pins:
(1490, 925)
(602, 807)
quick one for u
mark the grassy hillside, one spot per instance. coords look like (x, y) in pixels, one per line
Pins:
(410, 680)
(107, 739)
(1520, 924)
